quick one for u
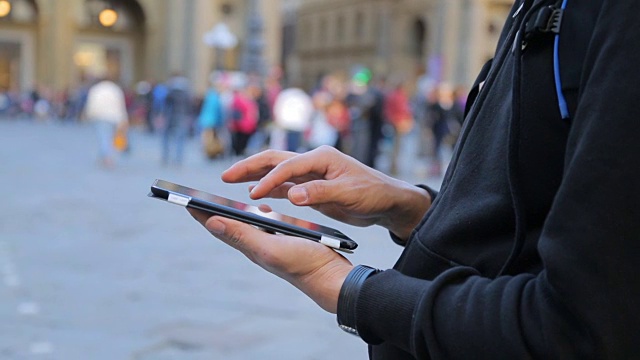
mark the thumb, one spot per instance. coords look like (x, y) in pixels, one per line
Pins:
(312, 193)
(234, 233)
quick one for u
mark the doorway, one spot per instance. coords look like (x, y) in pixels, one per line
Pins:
(99, 57)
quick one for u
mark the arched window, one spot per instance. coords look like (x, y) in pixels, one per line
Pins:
(109, 40)
(115, 15)
(418, 37)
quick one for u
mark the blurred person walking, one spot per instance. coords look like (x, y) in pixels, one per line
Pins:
(78, 100)
(398, 112)
(106, 109)
(211, 119)
(361, 102)
(158, 97)
(337, 112)
(177, 112)
(244, 118)
(292, 116)
(376, 122)
(273, 88)
(260, 137)
(321, 131)
(445, 118)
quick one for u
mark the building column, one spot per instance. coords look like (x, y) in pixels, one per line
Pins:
(478, 38)
(451, 37)
(175, 28)
(55, 43)
(207, 14)
(384, 45)
(464, 52)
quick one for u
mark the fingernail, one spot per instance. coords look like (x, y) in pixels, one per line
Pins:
(216, 227)
(253, 189)
(298, 195)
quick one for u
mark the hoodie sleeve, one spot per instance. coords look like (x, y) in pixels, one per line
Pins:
(584, 304)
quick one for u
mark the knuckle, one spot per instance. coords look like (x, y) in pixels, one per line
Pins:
(271, 153)
(234, 238)
(326, 149)
(317, 191)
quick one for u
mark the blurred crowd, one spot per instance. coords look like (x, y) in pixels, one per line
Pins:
(242, 114)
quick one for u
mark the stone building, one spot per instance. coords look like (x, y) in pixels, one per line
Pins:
(447, 39)
(54, 43)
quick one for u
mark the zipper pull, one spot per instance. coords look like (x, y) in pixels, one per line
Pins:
(515, 15)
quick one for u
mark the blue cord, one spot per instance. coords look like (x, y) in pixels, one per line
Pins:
(562, 101)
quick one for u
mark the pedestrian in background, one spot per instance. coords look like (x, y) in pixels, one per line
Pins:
(177, 112)
(337, 112)
(158, 97)
(106, 110)
(292, 116)
(260, 137)
(320, 131)
(210, 120)
(376, 121)
(361, 102)
(446, 119)
(244, 117)
(398, 112)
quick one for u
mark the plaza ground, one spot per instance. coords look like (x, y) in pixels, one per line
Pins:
(92, 268)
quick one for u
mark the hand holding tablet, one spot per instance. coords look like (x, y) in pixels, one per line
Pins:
(261, 217)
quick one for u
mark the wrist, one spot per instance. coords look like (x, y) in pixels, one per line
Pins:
(411, 203)
(324, 288)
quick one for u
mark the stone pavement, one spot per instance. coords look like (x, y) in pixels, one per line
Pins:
(91, 268)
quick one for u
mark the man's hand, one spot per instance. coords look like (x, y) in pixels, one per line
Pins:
(336, 185)
(312, 267)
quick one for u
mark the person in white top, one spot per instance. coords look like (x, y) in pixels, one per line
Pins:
(106, 109)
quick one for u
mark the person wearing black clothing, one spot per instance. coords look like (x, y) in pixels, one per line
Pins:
(530, 249)
(445, 117)
(376, 121)
(177, 111)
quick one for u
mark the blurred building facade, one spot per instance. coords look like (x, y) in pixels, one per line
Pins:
(56, 43)
(448, 40)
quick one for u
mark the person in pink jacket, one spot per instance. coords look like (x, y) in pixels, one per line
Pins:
(243, 120)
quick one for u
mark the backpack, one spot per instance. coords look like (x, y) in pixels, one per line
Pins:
(570, 23)
(571, 26)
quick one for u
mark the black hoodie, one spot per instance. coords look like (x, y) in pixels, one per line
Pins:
(531, 248)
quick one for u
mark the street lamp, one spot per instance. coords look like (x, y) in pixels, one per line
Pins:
(252, 61)
(108, 17)
(5, 8)
(221, 39)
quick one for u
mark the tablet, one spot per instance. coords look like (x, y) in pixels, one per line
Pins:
(267, 221)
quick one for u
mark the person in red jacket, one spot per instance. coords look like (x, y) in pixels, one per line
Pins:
(398, 113)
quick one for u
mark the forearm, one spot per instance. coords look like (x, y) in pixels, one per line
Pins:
(460, 315)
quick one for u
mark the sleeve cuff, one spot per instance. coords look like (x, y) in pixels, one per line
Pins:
(433, 195)
(385, 308)
(431, 192)
(347, 300)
